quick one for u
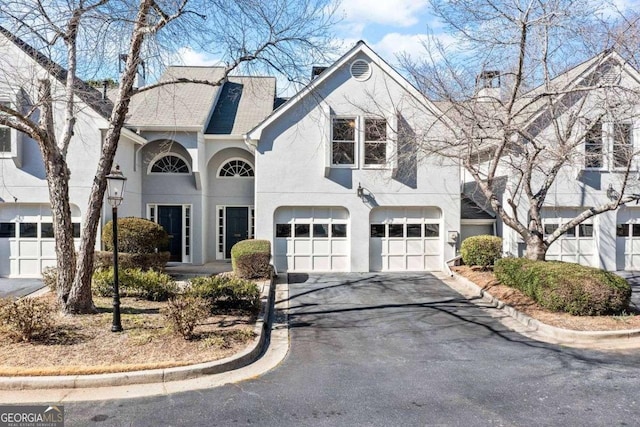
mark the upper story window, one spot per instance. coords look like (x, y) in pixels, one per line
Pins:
(236, 169)
(622, 144)
(357, 138)
(170, 163)
(375, 141)
(5, 133)
(608, 145)
(593, 147)
(343, 141)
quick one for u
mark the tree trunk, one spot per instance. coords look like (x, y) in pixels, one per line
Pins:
(58, 179)
(536, 248)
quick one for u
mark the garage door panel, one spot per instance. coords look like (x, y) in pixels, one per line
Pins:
(28, 248)
(319, 241)
(321, 247)
(340, 263)
(321, 263)
(340, 247)
(302, 247)
(405, 238)
(415, 247)
(432, 247)
(48, 249)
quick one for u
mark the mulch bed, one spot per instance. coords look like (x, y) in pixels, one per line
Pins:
(516, 299)
(84, 344)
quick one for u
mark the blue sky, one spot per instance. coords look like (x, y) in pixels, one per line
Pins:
(390, 27)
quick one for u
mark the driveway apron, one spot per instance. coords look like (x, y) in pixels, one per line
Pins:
(400, 349)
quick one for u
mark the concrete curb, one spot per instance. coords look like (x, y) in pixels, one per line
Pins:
(558, 335)
(244, 358)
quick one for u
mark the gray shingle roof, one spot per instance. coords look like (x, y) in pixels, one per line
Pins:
(471, 210)
(243, 103)
(177, 105)
(88, 94)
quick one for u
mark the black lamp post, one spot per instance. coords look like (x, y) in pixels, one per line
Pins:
(115, 184)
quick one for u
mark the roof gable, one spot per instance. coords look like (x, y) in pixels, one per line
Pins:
(90, 95)
(360, 47)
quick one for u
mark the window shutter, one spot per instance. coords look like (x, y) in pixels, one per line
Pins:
(392, 144)
(325, 126)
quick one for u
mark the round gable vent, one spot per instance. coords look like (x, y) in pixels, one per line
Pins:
(360, 70)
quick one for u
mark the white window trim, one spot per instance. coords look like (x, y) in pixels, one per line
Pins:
(611, 136)
(166, 154)
(356, 154)
(608, 144)
(186, 259)
(236, 177)
(388, 146)
(603, 142)
(13, 137)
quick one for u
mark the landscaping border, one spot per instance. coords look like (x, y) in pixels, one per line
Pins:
(566, 336)
(239, 360)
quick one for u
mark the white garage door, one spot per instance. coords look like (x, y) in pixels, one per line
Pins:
(577, 244)
(405, 239)
(628, 239)
(27, 245)
(311, 239)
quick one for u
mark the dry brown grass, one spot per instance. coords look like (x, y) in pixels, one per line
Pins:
(516, 299)
(84, 344)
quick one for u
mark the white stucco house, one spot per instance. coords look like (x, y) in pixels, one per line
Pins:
(332, 176)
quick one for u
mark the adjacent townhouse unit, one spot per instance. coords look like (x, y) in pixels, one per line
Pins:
(334, 176)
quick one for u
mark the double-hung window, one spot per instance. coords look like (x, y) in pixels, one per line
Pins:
(593, 147)
(622, 144)
(5, 133)
(375, 141)
(343, 142)
(359, 141)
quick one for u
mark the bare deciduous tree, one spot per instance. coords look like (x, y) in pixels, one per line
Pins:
(523, 102)
(279, 35)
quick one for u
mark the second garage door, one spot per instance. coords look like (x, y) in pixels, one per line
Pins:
(311, 239)
(405, 239)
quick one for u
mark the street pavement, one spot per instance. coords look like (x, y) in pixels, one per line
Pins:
(399, 350)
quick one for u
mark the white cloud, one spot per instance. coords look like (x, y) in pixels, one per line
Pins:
(394, 43)
(401, 13)
(188, 56)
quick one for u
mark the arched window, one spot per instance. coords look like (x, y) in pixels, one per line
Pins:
(169, 163)
(236, 168)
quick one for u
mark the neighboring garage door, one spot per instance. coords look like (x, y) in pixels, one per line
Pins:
(405, 239)
(27, 245)
(312, 239)
(628, 239)
(577, 244)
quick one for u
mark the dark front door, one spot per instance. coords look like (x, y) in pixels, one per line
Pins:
(170, 218)
(236, 228)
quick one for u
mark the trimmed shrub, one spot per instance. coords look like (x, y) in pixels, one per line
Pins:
(26, 319)
(153, 261)
(50, 278)
(250, 259)
(561, 286)
(225, 291)
(481, 250)
(183, 313)
(150, 285)
(136, 236)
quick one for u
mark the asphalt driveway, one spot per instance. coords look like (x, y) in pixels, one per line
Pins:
(17, 288)
(399, 349)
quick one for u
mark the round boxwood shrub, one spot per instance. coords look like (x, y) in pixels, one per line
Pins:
(136, 235)
(481, 250)
(568, 287)
(250, 259)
